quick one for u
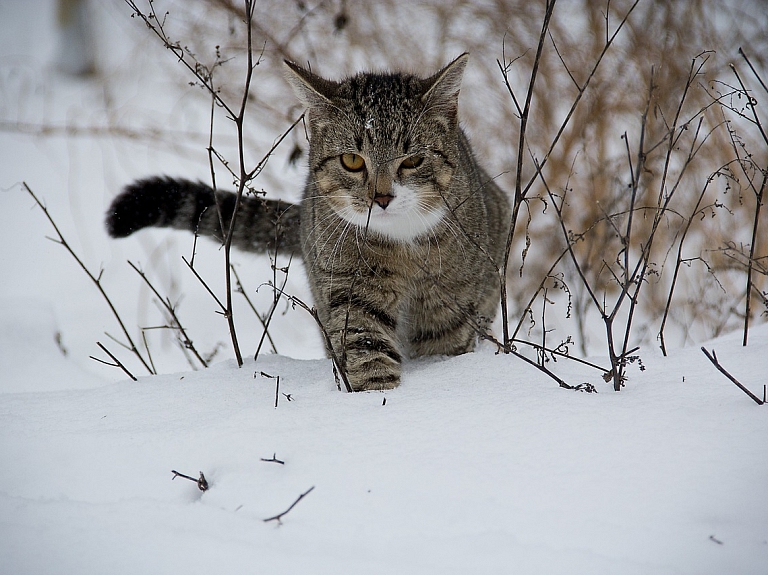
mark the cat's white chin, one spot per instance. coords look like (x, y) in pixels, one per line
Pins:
(404, 218)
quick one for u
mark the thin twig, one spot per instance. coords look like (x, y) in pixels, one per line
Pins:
(519, 193)
(243, 179)
(273, 459)
(339, 368)
(146, 348)
(758, 196)
(277, 385)
(279, 516)
(117, 363)
(95, 279)
(205, 285)
(184, 339)
(560, 354)
(275, 300)
(241, 290)
(751, 67)
(679, 262)
(713, 358)
(202, 483)
(589, 388)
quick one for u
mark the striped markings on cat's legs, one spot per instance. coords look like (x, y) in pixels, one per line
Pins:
(454, 336)
(364, 332)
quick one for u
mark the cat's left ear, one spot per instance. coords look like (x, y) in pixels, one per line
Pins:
(311, 89)
(441, 91)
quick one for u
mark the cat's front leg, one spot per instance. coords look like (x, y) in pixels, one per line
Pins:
(362, 328)
(445, 320)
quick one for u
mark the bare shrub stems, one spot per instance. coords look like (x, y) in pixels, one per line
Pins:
(759, 193)
(679, 262)
(243, 176)
(520, 191)
(275, 300)
(205, 77)
(131, 346)
(183, 338)
(262, 318)
(339, 368)
(519, 194)
(242, 180)
(629, 267)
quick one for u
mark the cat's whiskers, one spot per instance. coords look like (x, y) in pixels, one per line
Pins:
(326, 232)
(432, 234)
(337, 254)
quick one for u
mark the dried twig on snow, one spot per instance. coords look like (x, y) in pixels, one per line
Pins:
(202, 484)
(277, 385)
(273, 459)
(279, 516)
(713, 358)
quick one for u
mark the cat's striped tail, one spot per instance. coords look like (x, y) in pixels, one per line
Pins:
(261, 225)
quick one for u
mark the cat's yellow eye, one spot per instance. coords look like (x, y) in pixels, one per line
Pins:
(352, 162)
(412, 162)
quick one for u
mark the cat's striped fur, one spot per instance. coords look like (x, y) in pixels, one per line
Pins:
(401, 231)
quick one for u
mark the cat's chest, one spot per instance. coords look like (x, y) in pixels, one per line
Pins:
(410, 262)
(374, 256)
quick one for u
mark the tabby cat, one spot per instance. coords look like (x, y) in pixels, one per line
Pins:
(401, 232)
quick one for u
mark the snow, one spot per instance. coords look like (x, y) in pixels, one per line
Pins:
(476, 464)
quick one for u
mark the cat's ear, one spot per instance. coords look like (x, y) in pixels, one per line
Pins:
(441, 91)
(311, 89)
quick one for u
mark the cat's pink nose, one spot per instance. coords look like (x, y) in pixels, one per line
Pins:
(383, 200)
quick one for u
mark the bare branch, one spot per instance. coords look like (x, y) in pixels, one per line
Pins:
(117, 363)
(202, 483)
(96, 280)
(713, 358)
(279, 516)
(273, 459)
(184, 339)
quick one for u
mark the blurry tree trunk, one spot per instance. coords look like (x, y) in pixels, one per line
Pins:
(75, 53)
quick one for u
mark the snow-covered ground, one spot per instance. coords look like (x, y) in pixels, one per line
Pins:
(476, 464)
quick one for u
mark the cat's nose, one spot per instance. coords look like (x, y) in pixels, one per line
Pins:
(383, 200)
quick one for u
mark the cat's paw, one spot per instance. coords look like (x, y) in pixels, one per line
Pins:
(372, 367)
(377, 383)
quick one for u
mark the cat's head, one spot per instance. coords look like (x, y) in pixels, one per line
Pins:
(383, 147)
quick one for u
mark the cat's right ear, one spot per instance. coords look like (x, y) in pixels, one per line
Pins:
(442, 89)
(311, 89)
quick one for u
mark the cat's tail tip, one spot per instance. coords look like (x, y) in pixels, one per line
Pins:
(144, 203)
(116, 222)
